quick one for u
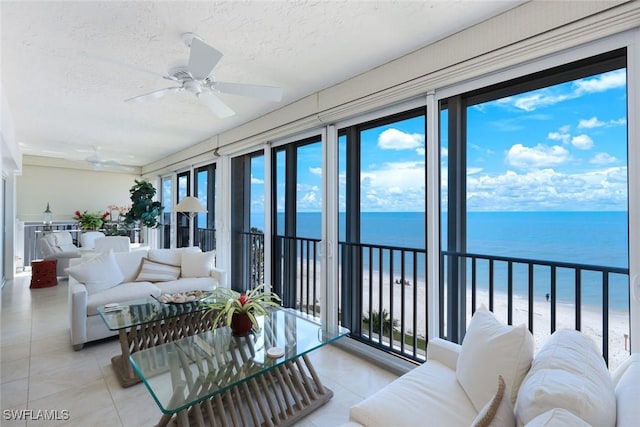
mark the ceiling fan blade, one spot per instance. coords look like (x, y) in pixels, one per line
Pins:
(214, 103)
(202, 59)
(268, 93)
(154, 95)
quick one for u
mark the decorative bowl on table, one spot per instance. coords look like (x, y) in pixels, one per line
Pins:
(182, 297)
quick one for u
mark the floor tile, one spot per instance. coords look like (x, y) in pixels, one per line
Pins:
(40, 371)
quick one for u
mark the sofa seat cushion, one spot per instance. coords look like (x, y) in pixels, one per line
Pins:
(427, 395)
(557, 417)
(558, 379)
(124, 292)
(187, 284)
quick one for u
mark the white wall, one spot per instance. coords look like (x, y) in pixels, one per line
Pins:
(67, 190)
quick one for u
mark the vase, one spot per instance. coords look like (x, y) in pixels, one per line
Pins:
(240, 324)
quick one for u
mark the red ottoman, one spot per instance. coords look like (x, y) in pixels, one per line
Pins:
(43, 273)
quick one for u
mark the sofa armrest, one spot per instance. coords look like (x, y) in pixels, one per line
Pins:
(77, 312)
(626, 379)
(220, 275)
(443, 351)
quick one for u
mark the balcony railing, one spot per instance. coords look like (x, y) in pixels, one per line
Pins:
(297, 272)
(539, 286)
(384, 299)
(253, 249)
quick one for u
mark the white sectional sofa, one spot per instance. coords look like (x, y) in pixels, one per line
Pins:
(493, 379)
(109, 277)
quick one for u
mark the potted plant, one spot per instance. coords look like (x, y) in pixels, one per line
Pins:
(90, 220)
(143, 207)
(239, 310)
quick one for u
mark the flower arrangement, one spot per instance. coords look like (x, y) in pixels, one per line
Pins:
(90, 220)
(232, 307)
(117, 212)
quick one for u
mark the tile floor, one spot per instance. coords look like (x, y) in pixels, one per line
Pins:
(40, 370)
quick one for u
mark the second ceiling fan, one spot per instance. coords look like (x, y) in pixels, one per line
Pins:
(197, 78)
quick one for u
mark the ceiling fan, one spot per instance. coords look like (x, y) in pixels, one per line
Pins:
(99, 162)
(197, 78)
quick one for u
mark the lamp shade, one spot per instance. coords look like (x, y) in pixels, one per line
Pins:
(190, 204)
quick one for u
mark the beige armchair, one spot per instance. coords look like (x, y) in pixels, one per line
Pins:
(59, 246)
(88, 238)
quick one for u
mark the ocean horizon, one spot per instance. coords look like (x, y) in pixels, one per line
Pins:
(597, 238)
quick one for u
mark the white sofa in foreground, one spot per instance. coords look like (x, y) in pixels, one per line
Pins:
(111, 277)
(492, 379)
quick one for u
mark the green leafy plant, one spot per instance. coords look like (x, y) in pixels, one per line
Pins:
(224, 303)
(375, 319)
(143, 207)
(90, 220)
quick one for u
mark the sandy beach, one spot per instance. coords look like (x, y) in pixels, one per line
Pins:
(591, 317)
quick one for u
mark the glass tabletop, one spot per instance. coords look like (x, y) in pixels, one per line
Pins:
(145, 310)
(182, 373)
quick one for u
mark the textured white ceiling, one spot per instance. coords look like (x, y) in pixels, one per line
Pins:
(68, 66)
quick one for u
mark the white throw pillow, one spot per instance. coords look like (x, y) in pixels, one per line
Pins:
(171, 256)
(151, 271)
(98, 274)
(197, 264)
(491, 348)
(570, 373)
(557, 417)
(129, 263)
(498, 412)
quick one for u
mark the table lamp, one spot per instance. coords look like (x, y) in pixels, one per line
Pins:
(47, 218)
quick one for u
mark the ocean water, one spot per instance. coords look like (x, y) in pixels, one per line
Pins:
(593, 238)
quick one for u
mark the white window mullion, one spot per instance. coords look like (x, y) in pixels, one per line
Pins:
(432, 144)
(269, 176)
(329, 248)
(633, 132)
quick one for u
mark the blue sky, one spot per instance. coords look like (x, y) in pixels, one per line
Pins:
(559, 148)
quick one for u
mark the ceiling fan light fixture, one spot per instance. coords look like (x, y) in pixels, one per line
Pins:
(187, 38)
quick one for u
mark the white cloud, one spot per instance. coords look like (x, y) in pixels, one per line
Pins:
(582, 142)
(591, 123)
(601, 83)
(394, 139)
(547, 189)
(394, 187)
(444, 152)
(531, 101)
(559, 136)
(316, 171)
(255, 180)
(421, 151)
(536, 157)
(603, 159)
(534, 100)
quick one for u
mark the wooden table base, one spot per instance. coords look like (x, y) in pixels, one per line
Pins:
(279, 397)
(153, 334)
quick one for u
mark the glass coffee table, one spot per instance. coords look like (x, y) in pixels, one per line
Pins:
(262, 379)
(146, 323)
